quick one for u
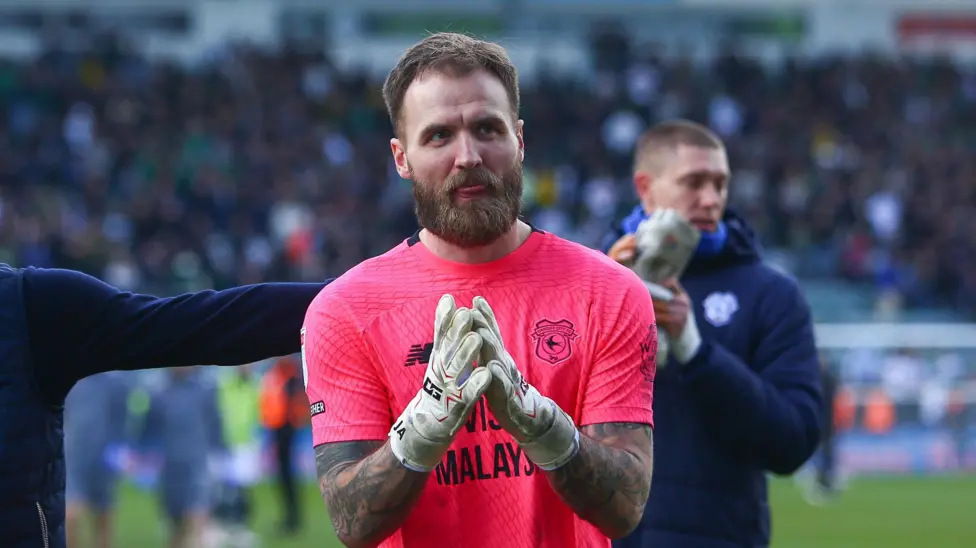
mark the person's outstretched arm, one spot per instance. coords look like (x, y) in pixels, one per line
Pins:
(81, 326)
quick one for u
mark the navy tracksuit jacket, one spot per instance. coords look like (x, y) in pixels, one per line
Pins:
(60, 326)
(748, 403)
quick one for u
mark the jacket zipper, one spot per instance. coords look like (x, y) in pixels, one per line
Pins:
(44, 534)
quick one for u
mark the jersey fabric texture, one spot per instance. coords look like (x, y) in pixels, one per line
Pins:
(580, 327)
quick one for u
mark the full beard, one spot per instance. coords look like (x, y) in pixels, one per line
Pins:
(470, 223)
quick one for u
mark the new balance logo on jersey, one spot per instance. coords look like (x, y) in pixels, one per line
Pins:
(419, 353)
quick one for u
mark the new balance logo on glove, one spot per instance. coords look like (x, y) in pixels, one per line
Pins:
(419, 353)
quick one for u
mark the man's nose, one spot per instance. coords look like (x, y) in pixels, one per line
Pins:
(709, 197)
(467, 155)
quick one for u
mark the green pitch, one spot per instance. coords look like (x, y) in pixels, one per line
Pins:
(872, 513)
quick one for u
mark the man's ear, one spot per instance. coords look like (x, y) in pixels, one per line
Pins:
(642, 185)
(400, 158)
(519, 128)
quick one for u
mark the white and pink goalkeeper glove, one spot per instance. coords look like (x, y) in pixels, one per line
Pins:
(546, 434)
(452, 384)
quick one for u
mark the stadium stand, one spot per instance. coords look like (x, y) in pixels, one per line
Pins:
(261, 166)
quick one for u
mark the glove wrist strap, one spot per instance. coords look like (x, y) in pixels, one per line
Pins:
(557, 446)
(414, 451)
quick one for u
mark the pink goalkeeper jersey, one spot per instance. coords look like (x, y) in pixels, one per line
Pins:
(579, 326)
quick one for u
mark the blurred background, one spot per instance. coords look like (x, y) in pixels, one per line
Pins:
(175, 145)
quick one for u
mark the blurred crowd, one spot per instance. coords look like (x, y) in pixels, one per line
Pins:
(257, 166)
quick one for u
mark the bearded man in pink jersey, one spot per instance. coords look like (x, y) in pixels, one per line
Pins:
(482, 384)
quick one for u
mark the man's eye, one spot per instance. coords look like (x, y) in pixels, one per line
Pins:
(438, 135)
(486, 130)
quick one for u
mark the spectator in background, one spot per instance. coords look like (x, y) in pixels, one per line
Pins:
(903, 376)
(94, 432)
(960, 418)
(185, 423)
(239, 401)
(284, 409)
(826, 464)
(738, 391)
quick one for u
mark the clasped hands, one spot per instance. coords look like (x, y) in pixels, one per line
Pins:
(469, 360)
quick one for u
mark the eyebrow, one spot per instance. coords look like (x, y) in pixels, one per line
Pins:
(489, 118)
(431, 129)
(706, 173)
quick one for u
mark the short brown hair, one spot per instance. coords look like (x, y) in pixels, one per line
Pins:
(669, 135)
(451, 53)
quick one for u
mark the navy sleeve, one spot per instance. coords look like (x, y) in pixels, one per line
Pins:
(81, 326)
(769, 412)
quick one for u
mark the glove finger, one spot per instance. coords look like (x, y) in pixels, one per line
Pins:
(501, 381)
(491, 340)
(460, 365)
(488, 351)
(443, 317)
(481, 305)
(460, 325)
(476, 385)
(478, 320)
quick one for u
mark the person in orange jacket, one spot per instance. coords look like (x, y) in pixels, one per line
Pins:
(284, 410)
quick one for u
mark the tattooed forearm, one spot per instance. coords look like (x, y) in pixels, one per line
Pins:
(368, 492)
(608, 482)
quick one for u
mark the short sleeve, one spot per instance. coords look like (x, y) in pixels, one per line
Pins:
(348, 401)
(621, 382)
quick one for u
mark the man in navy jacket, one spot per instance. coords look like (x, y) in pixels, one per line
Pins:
(60, 326)
(739, 395)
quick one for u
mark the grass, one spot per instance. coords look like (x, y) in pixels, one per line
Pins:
(871, 513)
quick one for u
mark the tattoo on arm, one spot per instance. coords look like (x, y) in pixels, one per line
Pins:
(607, 483)
(368, 492)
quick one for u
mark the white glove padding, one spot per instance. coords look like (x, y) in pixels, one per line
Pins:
(665, 245)
(686, 346)
(546, 434)
(452, 384)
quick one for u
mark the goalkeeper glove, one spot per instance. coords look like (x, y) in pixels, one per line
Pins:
(452, 384)
(546, 434)
(665, 245)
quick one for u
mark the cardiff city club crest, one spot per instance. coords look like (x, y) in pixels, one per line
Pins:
(554, 340)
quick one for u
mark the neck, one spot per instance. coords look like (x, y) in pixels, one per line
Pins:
(505, 244)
